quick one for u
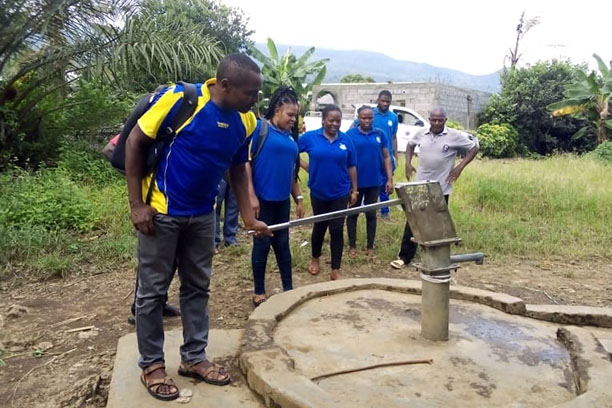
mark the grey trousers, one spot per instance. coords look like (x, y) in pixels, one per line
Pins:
(191, 241)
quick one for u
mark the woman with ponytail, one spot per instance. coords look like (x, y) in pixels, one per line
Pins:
(274, 175)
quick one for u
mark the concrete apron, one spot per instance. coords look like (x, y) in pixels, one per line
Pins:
(495, 356)
(126, 390)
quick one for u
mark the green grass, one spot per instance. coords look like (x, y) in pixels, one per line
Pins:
(74, 219)
(555, 207)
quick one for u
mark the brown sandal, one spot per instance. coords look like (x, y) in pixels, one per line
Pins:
(208, 375)
(314, 269)
(152, 385)
(259, 299)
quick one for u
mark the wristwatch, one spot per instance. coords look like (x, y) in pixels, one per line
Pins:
(298, 198)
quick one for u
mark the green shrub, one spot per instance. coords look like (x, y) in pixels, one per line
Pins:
(48, 199)
(603, 152)
(85, 165)
(497, 141)
(451, 123)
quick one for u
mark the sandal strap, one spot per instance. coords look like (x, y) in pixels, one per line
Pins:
(213, 368)
(153, 367)
(160, 381)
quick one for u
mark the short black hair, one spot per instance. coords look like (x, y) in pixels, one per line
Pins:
(233, 65)
(282, 95)
(330, 108)
(385, 92)
(364, 107)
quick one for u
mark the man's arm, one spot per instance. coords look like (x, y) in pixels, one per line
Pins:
(456, 172)
(135, 151)
(409, 154)
(252, 196)
(394, 138)
(239, 182)
(387, 160)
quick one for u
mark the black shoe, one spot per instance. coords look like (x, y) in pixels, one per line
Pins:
(171, 311)
(132, 320)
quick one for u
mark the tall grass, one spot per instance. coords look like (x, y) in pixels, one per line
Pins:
(554, 207)
(74, 219)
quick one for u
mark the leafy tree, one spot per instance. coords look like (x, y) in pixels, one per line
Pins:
(589, 97)
(523, 101)
(356, 78)
(51, 48)
(227, 25)
(290, 70)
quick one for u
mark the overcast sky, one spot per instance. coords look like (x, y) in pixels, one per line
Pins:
(467, 35)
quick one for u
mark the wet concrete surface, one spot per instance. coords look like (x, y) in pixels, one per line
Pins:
(491, 359)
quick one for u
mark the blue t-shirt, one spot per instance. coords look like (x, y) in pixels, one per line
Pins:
(273, 168)
(328, 176)
(388, 123)
(369, 150)
(206, 145)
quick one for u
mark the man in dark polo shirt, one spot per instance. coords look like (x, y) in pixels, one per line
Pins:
(438, 150)
(180, 221)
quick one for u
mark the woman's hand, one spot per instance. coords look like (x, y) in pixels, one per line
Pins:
(353, 198)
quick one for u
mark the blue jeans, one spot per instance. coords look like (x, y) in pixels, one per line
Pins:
(272, 212)
(230, 220)
(190, 240)
(383, 196)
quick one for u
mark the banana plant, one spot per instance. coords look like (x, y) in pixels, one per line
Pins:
(289, 70)
(589, 97)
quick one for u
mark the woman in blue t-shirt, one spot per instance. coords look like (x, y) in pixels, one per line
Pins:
(273, 169)
(332, 178)
(372, 156)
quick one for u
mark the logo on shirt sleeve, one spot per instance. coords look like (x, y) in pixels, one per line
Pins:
(342, 146)
(378, 139)
(223, 125)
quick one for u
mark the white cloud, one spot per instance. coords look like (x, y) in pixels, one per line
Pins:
(471, 36)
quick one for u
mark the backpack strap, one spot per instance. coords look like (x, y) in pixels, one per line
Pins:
(189, 103)
(261, 138)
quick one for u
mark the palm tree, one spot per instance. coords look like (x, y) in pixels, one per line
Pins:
(290, 70)
(589, 96)
(46, 46)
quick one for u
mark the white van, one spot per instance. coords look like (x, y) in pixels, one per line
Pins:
(409, 122)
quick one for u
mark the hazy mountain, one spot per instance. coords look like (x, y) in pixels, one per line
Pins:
(383, 68)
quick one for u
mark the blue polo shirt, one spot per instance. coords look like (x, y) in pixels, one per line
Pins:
(206, 145)
(273, 167)
(328, 176)
(388, 123)
(369, 150)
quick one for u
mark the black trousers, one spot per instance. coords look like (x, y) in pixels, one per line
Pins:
(369, 195)
(408, 248)
(336, 228)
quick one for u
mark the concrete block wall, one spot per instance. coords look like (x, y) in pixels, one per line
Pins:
(419, 96)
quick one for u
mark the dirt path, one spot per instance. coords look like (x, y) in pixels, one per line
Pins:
(73, 361)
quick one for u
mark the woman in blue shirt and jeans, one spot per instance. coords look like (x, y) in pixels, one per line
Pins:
(332, 178)
(372, 156)
(274, 178)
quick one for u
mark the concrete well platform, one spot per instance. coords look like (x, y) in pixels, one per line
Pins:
(126, 390)
(496, 355)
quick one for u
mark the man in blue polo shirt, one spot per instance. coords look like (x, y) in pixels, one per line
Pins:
(386, 120)
(180, 222)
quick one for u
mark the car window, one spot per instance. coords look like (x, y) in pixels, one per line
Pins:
(406, 118)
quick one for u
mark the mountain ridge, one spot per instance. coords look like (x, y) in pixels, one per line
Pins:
(384, 68)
